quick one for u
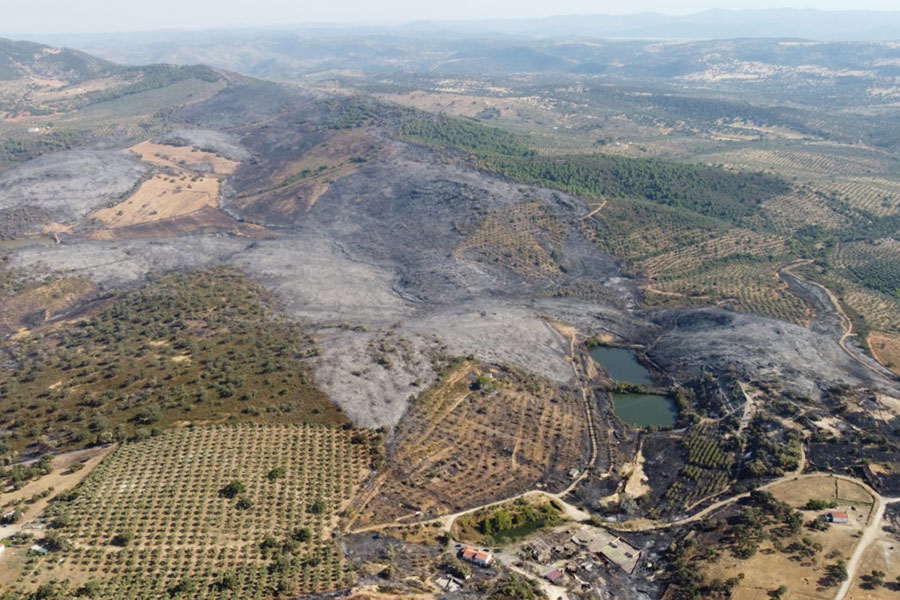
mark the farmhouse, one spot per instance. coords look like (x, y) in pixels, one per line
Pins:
(838, 517)
(482, 558)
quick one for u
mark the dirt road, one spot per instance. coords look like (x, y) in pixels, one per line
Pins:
(868, 536)
(786, 272)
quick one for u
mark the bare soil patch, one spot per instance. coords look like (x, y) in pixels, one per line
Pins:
(886, 349)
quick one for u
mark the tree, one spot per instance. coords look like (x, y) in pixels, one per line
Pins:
(89, 588)
(122, 539)
(874, 579)
(44, 591)
(244, 503)
(276, 473)
(225, 581)
(61, 521)
(779, 593)
(456, 567)
(302, 534)
(148, 415)
(233, 489)
(54, 542)
(317, 507)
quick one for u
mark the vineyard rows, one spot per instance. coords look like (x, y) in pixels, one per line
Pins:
(707, 470)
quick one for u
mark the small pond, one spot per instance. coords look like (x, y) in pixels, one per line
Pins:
(621, 364)
(640, 410)
(643, 410)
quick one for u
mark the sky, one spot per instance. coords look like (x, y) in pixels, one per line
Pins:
(105, 16)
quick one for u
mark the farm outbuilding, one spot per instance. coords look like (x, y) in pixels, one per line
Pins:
(611, 547)
(838, 517)
(553, 576)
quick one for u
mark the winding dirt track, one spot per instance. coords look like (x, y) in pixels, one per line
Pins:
(595, 210)
(846, 323)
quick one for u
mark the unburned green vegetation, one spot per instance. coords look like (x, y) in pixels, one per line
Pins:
(703, 190)
(184, 348)
(506, 522)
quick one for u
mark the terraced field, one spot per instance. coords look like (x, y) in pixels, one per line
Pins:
(869, 275)
(157, 517)
(751, 286)
(803, 208)
(676, 263)
(637, 231)
(524, 238)
(802, 160)
(460, 447)
(876, 195)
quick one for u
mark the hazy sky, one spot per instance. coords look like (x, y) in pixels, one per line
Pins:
(94, 16)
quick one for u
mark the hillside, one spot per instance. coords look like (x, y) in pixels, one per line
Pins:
(27, 60)
(260, 340)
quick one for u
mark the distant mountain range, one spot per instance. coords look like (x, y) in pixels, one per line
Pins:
(851, 25)
(712, 24)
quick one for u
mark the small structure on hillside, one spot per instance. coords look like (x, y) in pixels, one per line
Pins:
(38, 550)
(838, 517)
(449, 583)
(553, 576)
(610, 547)
(482, 558)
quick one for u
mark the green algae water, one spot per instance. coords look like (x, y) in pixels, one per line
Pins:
(643, 410)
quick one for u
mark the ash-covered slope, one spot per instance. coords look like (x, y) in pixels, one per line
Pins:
(393, 253)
